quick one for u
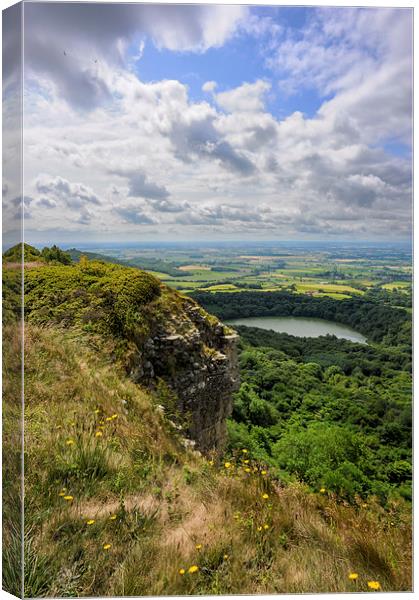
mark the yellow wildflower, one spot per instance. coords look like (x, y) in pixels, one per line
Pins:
(374, 585)
(98, 434)
(68, 498)
(61, 494)
(263, 472)
(106, 546)
(112, 517)
(70, 442)
(114, 416)
(265, 496)
(227, 465)
(225, 556)
(108, 419)
(244, 451)
(90, 522)
(364, 505)
(193, 569)
(260, 528)
(246, 462)
(322, 490)
(211, 462)
(247, 470)
(266, 526)
(353, 576)
(97, 411)
(182, 571)
(198, 546)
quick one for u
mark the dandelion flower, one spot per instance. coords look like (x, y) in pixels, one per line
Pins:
(108, 419)
(98, 434)
(112, 517)
(244, 451)
(263, 472)
(97, 411)
(265, 496)
(246, 462)
(353, 576)
(182, 571)
(70, 442)
(322, 490)
(198, 546)
(90, 522)
(374, 585)
(106, 546)
(193, 569)
(247, 470)
(68, 498)
(266, 526)
(227, 465)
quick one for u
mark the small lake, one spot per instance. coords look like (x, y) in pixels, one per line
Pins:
(301, 327)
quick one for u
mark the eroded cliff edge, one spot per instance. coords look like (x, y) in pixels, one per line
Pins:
(153, 331)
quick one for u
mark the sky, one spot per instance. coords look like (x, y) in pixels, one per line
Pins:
(212, 122)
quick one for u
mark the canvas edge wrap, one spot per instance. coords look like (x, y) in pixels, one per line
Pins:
(12, 349)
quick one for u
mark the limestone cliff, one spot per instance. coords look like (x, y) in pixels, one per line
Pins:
(156, 333)
(197, 357)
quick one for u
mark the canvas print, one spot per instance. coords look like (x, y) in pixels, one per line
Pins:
(207, 299)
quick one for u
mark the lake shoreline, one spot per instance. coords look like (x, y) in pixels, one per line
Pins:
(301, 327)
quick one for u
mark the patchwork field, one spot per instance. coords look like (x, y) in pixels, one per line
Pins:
(335, 271)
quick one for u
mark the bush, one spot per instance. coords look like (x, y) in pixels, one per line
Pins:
(96, 296)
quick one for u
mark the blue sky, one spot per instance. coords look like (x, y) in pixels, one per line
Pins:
(218, 122)
(242, 58)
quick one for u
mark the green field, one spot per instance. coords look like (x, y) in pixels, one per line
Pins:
(334, 272)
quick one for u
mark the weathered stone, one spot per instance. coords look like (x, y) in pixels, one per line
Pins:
(197, 359)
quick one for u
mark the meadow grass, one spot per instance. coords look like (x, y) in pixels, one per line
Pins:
(115, 504)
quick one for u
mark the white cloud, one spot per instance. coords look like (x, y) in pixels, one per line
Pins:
(225, 165)
(248, 97)
(209, 86)
(69, 44)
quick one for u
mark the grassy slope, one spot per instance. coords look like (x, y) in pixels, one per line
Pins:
(168, 499)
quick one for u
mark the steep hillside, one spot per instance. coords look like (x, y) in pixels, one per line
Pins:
(122, 376)
(117, 505)
(154, 332)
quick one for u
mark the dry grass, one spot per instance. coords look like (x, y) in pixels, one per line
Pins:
(173, 509)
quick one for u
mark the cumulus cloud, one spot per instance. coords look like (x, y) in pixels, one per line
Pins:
(133, 215)
(140, 186)
(222, 163)
(67, 43)
(245, 98)
(209, 86)
(74, 195)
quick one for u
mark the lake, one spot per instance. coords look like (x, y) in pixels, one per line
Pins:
(301, 327)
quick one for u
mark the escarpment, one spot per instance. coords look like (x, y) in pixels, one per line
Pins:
(197, 358)
(157, 334)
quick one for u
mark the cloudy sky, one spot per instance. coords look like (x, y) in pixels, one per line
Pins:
(215, 122)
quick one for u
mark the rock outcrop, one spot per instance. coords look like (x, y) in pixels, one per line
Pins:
(153, 331)
(196, 355)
